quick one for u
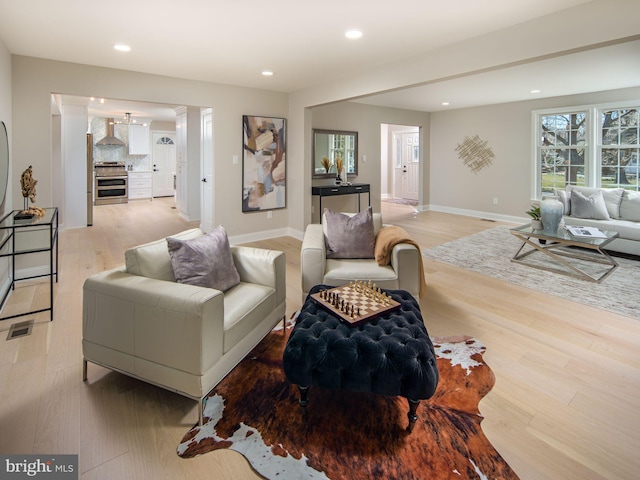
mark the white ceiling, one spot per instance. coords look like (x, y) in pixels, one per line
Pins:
(607, 68)
(303, 42)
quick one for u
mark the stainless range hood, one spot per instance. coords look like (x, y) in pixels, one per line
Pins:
(110, 139)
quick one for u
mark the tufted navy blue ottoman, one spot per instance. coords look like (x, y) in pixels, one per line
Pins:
(390, 355)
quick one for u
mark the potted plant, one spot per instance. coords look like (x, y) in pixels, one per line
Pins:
(536, 218)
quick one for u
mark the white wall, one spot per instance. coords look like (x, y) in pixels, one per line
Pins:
(5, 116)
(35, 79)
(521, 43)
(366, 120)
(74, 148)
(507, 129)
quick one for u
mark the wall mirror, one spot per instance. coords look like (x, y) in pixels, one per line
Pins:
(4, 161)
(330, 145)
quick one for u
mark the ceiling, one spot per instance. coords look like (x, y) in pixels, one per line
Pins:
(228, 42)
(141, 112)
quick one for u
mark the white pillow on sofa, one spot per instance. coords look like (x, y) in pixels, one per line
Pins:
(630, 206)
(612, 198)
(591, 206)
(565, 198)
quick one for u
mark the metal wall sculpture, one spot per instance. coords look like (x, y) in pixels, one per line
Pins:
(475, 153)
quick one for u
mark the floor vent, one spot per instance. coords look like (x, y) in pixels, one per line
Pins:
(488, 220)
(21, 329)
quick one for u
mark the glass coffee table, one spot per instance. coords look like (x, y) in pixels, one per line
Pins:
(557, 249)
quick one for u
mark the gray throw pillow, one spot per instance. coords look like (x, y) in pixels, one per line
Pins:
(205, 261)
(350, 237)
(612, 197)
(591, 206)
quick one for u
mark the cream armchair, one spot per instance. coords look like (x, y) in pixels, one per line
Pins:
(138, 321)
(404, 271)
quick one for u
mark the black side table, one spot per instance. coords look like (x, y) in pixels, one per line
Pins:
(332, 190)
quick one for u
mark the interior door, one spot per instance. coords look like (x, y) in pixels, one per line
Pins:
(398, 168)
(406, 165)
(206, 168)
(411, 167)
(164, 163)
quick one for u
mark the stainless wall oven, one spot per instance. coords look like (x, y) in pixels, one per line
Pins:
(111, 183)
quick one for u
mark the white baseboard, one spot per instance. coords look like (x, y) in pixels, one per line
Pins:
(474, 213)
(265, 235)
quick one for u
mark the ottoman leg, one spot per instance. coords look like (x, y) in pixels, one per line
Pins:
(413, 417)
(304, 398)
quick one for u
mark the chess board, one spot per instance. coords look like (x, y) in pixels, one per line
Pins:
(362, 302)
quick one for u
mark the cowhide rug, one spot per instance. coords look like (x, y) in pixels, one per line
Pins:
(348, 435)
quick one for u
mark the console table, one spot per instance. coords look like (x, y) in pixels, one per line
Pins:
(23, 237)
(332, 190)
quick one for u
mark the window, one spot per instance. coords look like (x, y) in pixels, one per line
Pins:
(563, 147)
(620, 148)
(164, 141)
(589, 146)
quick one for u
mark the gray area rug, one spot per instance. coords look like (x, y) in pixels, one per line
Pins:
(490, 252)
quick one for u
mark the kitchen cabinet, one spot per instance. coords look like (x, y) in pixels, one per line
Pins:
(138, 140)
(140, 185)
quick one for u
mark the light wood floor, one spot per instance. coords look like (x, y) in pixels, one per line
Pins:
(565, 404)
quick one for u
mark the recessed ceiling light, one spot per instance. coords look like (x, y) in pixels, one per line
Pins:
(445, 103)
(353, 34)
(122, 48)
(535, 91)
(267, 73)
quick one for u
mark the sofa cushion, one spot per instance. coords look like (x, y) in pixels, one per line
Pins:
(340, 272)
(152, 259)
(630, 206)
(590, 205)
(612, 197)
(350, 236)
(245, 306)
(205, 261)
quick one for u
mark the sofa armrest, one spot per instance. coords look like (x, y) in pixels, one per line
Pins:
(172, 324)
(313, 257)
(405, 261)
(263, 267)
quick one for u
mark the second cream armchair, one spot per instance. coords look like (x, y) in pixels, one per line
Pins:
(404, 272)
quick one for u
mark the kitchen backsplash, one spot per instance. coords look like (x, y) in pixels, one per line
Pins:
(116, 153)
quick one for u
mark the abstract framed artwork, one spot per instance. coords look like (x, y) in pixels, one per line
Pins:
(264, 180)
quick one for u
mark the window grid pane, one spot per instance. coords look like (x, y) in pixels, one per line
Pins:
(562, 150)
(620, 148)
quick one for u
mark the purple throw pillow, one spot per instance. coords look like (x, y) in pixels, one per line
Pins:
(350, 237)
(205, 261)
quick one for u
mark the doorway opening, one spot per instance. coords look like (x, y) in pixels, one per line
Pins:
(400, 154)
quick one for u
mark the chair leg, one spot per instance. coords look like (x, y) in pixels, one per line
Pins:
(413, 417)
(200, 411)
(304, 399)
(84, 370)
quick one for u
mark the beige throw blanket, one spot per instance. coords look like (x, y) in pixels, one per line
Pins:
(389, 237)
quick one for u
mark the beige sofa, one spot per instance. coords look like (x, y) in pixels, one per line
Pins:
(137, 320)
(623, 209)
(404, 271)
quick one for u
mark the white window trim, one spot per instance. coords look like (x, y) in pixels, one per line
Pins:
(593, 174)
